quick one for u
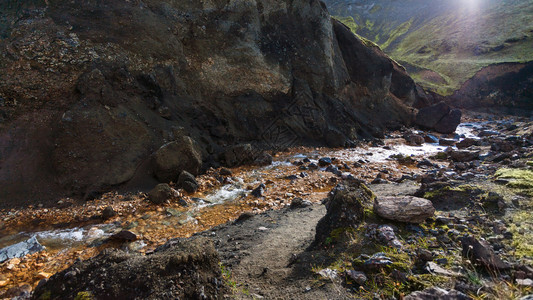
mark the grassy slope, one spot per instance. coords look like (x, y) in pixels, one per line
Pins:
(450, 39)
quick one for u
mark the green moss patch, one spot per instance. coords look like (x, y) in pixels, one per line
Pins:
(519, 179)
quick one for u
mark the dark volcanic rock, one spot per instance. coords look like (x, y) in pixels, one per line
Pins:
(187, 182)
(428, 117)
(439, 117)
(449, 122)
(344, 209)
(464, 155)
(90, 115)
(480, 252)
(175, 157)
(467, 142)
(185, 269)
(160, 193)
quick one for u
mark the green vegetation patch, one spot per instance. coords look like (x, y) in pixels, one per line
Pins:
(520, 180)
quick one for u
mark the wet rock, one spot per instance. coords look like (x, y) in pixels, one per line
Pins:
(429, 138)
(426, 163)
(124, 236)
(485, 133)
(160, 193)
(464, 155)
(188, 182)
(324, 161)
(446, 142)
(467, 142)
(21, 249)
(258, 191)
(225, 172)
(480, 252)
(344, 207)
(357, 276)
(503, 146)
(108, 213)
(333, 169)
(313, 166)
(449, 123)
(300, 203)
(175, 157)
(404, 209)
(414, 139)
(115, 274)
(435, 293)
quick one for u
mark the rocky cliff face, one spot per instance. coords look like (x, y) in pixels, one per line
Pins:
(90, 90)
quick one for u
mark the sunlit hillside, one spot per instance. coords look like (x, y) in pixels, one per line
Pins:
(445, 42)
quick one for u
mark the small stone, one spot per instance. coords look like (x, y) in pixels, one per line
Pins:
(258, 191)
(225, 172)
(424, 254)
(525, 282)
(328, 273)
(480, 251)
(43, 275)
(188, 182)
(124, 236)
(299, 203)
(446, 142)
(108, 213)
(160, 193)
(359, 277)
(433, 268)
(324, 161)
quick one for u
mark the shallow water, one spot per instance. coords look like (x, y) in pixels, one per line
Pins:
(65, 238)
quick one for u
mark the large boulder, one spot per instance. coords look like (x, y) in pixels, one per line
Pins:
(345, 209)
(428, 117)
(175, 157)
(449, 122)
(185, 269)
(439, 117)
(406, 209)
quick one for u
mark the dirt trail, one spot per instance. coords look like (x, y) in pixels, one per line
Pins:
(267, 258)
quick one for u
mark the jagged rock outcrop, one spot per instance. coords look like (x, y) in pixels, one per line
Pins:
(345, 207)
(85, 105)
